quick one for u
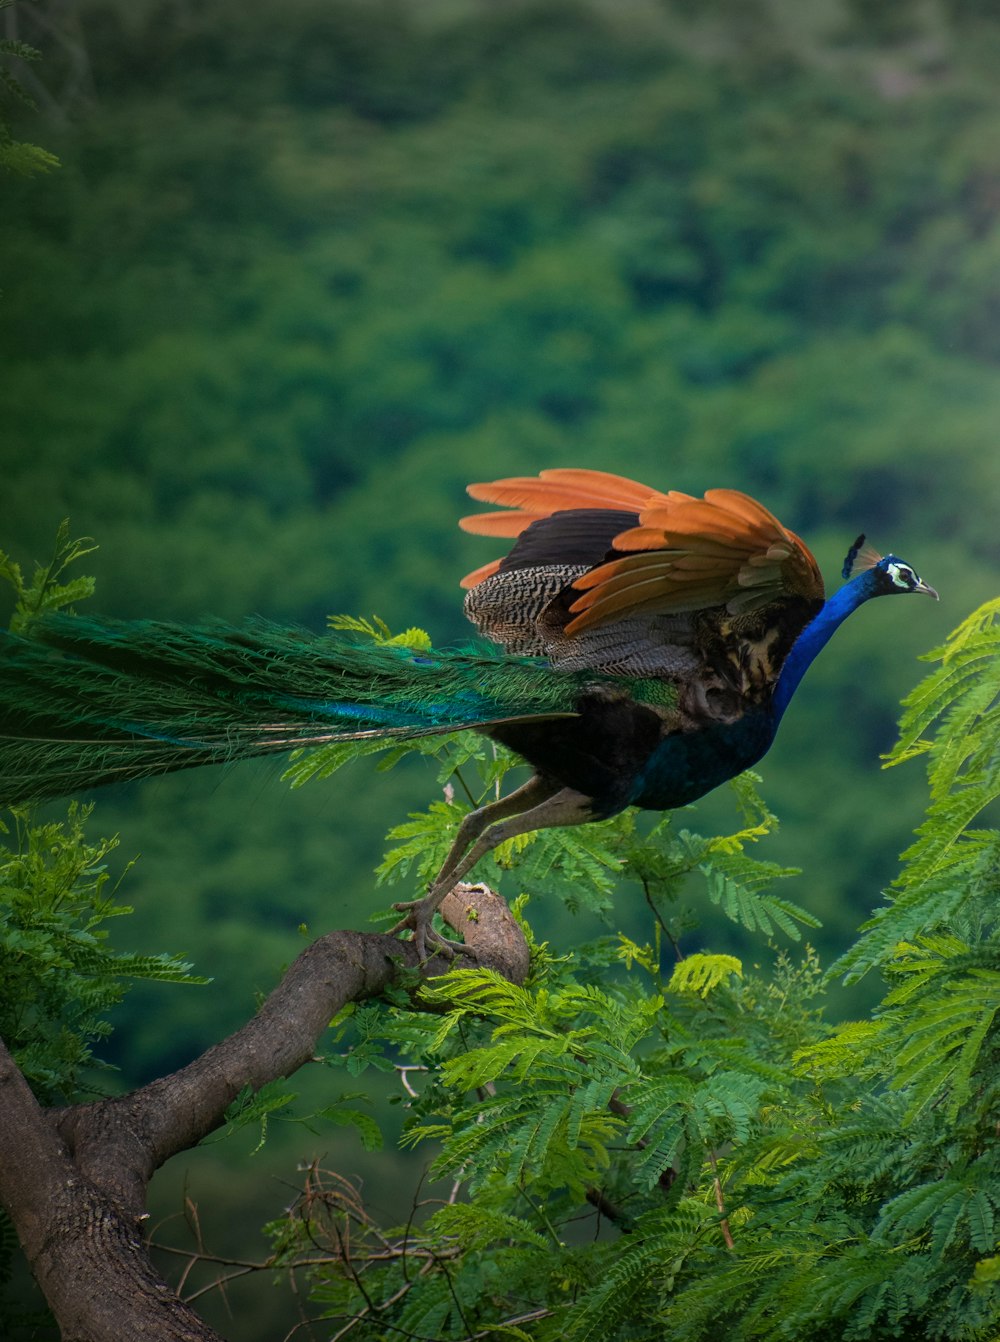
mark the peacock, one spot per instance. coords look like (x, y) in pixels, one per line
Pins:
(642, 649)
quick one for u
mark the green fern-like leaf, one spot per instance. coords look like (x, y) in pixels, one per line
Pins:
(379, 632)
(950, 869)
(945, 1038)
(476, 1227)
(655, 1253)
(702, 974)
(46, 591)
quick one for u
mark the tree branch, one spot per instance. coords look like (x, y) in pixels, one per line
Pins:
(73, 1181)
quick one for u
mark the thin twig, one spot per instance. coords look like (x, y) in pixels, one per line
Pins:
(720, 1202)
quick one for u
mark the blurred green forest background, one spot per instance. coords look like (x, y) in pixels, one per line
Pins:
(304, 273)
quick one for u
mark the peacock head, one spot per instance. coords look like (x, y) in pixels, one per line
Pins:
(885, 575)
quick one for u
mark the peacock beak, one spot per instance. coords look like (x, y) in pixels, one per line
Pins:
(925, 587)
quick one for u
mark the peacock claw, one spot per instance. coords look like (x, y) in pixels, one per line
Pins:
(427, 939)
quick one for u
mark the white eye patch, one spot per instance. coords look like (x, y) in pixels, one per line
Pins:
(902, 575)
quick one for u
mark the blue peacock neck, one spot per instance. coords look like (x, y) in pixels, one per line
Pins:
(817, 634)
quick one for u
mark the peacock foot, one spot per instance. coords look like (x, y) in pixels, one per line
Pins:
(428, 941)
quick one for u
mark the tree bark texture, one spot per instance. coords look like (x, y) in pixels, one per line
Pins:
(74, 1181)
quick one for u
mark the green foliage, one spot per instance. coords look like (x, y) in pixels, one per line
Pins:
(700, 973)
(750, 1172)
(379, 632)
(948, 876)
(17, 156)
(45, 592)
(59, 977)
(256, 1108)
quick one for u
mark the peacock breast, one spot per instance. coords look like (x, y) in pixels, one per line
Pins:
(686, 765)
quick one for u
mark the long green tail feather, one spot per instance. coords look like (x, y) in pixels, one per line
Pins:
(85, 702)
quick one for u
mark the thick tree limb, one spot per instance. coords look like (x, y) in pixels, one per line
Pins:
(74, 1181)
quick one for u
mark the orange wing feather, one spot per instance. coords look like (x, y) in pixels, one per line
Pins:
(723, 550)
(685, 554)
(551, 492)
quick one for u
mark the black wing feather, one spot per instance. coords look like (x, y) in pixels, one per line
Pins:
(577, 536)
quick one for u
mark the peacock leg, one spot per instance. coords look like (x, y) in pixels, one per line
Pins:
(419, 912)
(539, 804)
(525, 798)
